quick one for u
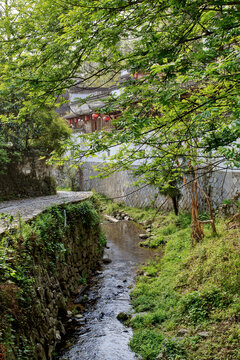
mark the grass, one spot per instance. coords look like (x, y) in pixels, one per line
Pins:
(187, 304)
(193, 291)
(63, 188)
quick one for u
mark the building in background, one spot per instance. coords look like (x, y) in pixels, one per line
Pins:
(83, 105)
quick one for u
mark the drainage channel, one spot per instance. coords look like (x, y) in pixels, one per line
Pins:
(99, 335)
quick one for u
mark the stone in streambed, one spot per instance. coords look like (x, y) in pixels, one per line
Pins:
(143, 236)
(123, 317)
(79, 316)
(82, 299)
(106, 260)
(69, 314)
(203, 334)
(182, 332)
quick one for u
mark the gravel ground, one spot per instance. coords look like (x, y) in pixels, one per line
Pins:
(29, 208)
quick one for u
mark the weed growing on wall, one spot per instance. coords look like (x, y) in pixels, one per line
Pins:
(89, 214)
(44, 241)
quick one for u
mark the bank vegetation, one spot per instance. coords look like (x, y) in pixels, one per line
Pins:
(186, 304)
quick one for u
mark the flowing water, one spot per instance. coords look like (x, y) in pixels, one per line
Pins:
(100, 336)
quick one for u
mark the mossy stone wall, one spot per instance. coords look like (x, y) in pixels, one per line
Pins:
(28, 178)
(46, 266)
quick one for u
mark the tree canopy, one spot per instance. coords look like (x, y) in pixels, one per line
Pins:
(182, 111)
(29, 131)
(188, 52)
(28, 124)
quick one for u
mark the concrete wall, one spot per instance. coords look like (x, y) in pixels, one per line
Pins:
(219, 185)
(224, 185)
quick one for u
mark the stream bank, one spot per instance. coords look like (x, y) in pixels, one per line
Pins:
(187, 303)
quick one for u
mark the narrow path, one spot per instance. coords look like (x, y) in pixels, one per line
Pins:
(29, 208)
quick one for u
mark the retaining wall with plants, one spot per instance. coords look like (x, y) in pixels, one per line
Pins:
(42, 263)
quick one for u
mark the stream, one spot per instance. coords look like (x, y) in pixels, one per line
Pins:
(99, 335)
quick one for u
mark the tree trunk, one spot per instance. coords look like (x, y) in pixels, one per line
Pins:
(196, 230)
(175, 204)
(214, 230)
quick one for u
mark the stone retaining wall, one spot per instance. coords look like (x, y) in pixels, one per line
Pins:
(52, 266)
(27, 178)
